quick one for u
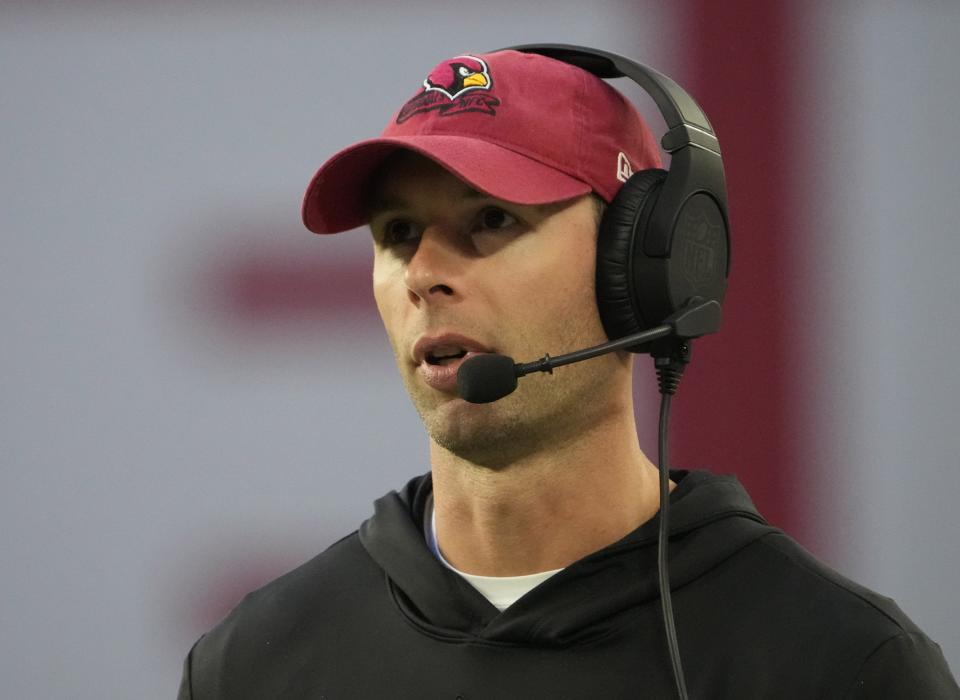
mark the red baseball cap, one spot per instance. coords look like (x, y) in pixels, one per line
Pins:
(516, 126)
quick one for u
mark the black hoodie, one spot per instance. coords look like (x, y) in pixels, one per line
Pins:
(378, 616)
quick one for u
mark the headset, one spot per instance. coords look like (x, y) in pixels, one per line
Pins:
(663, 248)
(664, 239)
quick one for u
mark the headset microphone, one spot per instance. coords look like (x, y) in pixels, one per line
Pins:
(490, 377)
(486, 378)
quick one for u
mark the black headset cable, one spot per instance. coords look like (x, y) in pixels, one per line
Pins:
(669, 372)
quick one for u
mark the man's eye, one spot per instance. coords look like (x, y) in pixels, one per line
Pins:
(399, 231)
(496, 218)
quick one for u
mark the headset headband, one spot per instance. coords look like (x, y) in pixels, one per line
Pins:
(695, 152)
(687, 125)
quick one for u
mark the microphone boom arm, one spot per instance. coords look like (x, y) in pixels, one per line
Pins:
(491, 376)
(697, 318)
(547, 363)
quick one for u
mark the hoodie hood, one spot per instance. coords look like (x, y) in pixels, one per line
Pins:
(711, 518)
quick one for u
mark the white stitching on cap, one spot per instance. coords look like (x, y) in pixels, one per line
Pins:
(624, 169)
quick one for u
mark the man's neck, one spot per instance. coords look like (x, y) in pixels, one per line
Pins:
(546, 510)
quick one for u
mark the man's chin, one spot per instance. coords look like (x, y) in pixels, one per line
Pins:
(486, 435)
(456, 418)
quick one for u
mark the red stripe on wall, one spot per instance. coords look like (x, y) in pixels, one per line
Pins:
(267, 289)
(733, 411)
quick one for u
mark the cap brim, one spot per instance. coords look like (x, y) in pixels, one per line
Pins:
(335, 197)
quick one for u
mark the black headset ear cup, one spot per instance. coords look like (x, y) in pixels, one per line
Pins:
(621, 229)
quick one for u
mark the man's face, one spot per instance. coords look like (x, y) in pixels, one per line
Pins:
(455, 271)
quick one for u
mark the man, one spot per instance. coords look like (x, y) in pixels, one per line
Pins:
(524, 564)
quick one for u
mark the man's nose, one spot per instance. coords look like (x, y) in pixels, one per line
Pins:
(433, 273)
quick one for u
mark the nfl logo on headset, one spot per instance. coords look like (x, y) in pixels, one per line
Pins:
(698, 255)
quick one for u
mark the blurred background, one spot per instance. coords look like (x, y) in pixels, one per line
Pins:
(196, 394)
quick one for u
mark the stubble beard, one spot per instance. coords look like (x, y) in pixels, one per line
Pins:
(544, 412)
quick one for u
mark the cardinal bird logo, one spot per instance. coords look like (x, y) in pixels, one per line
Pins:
(461, 84)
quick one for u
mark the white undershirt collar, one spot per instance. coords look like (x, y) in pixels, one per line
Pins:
(501, 591)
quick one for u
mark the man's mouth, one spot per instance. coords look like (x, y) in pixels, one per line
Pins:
(444, 355)
(444, 348)
(439, 357)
